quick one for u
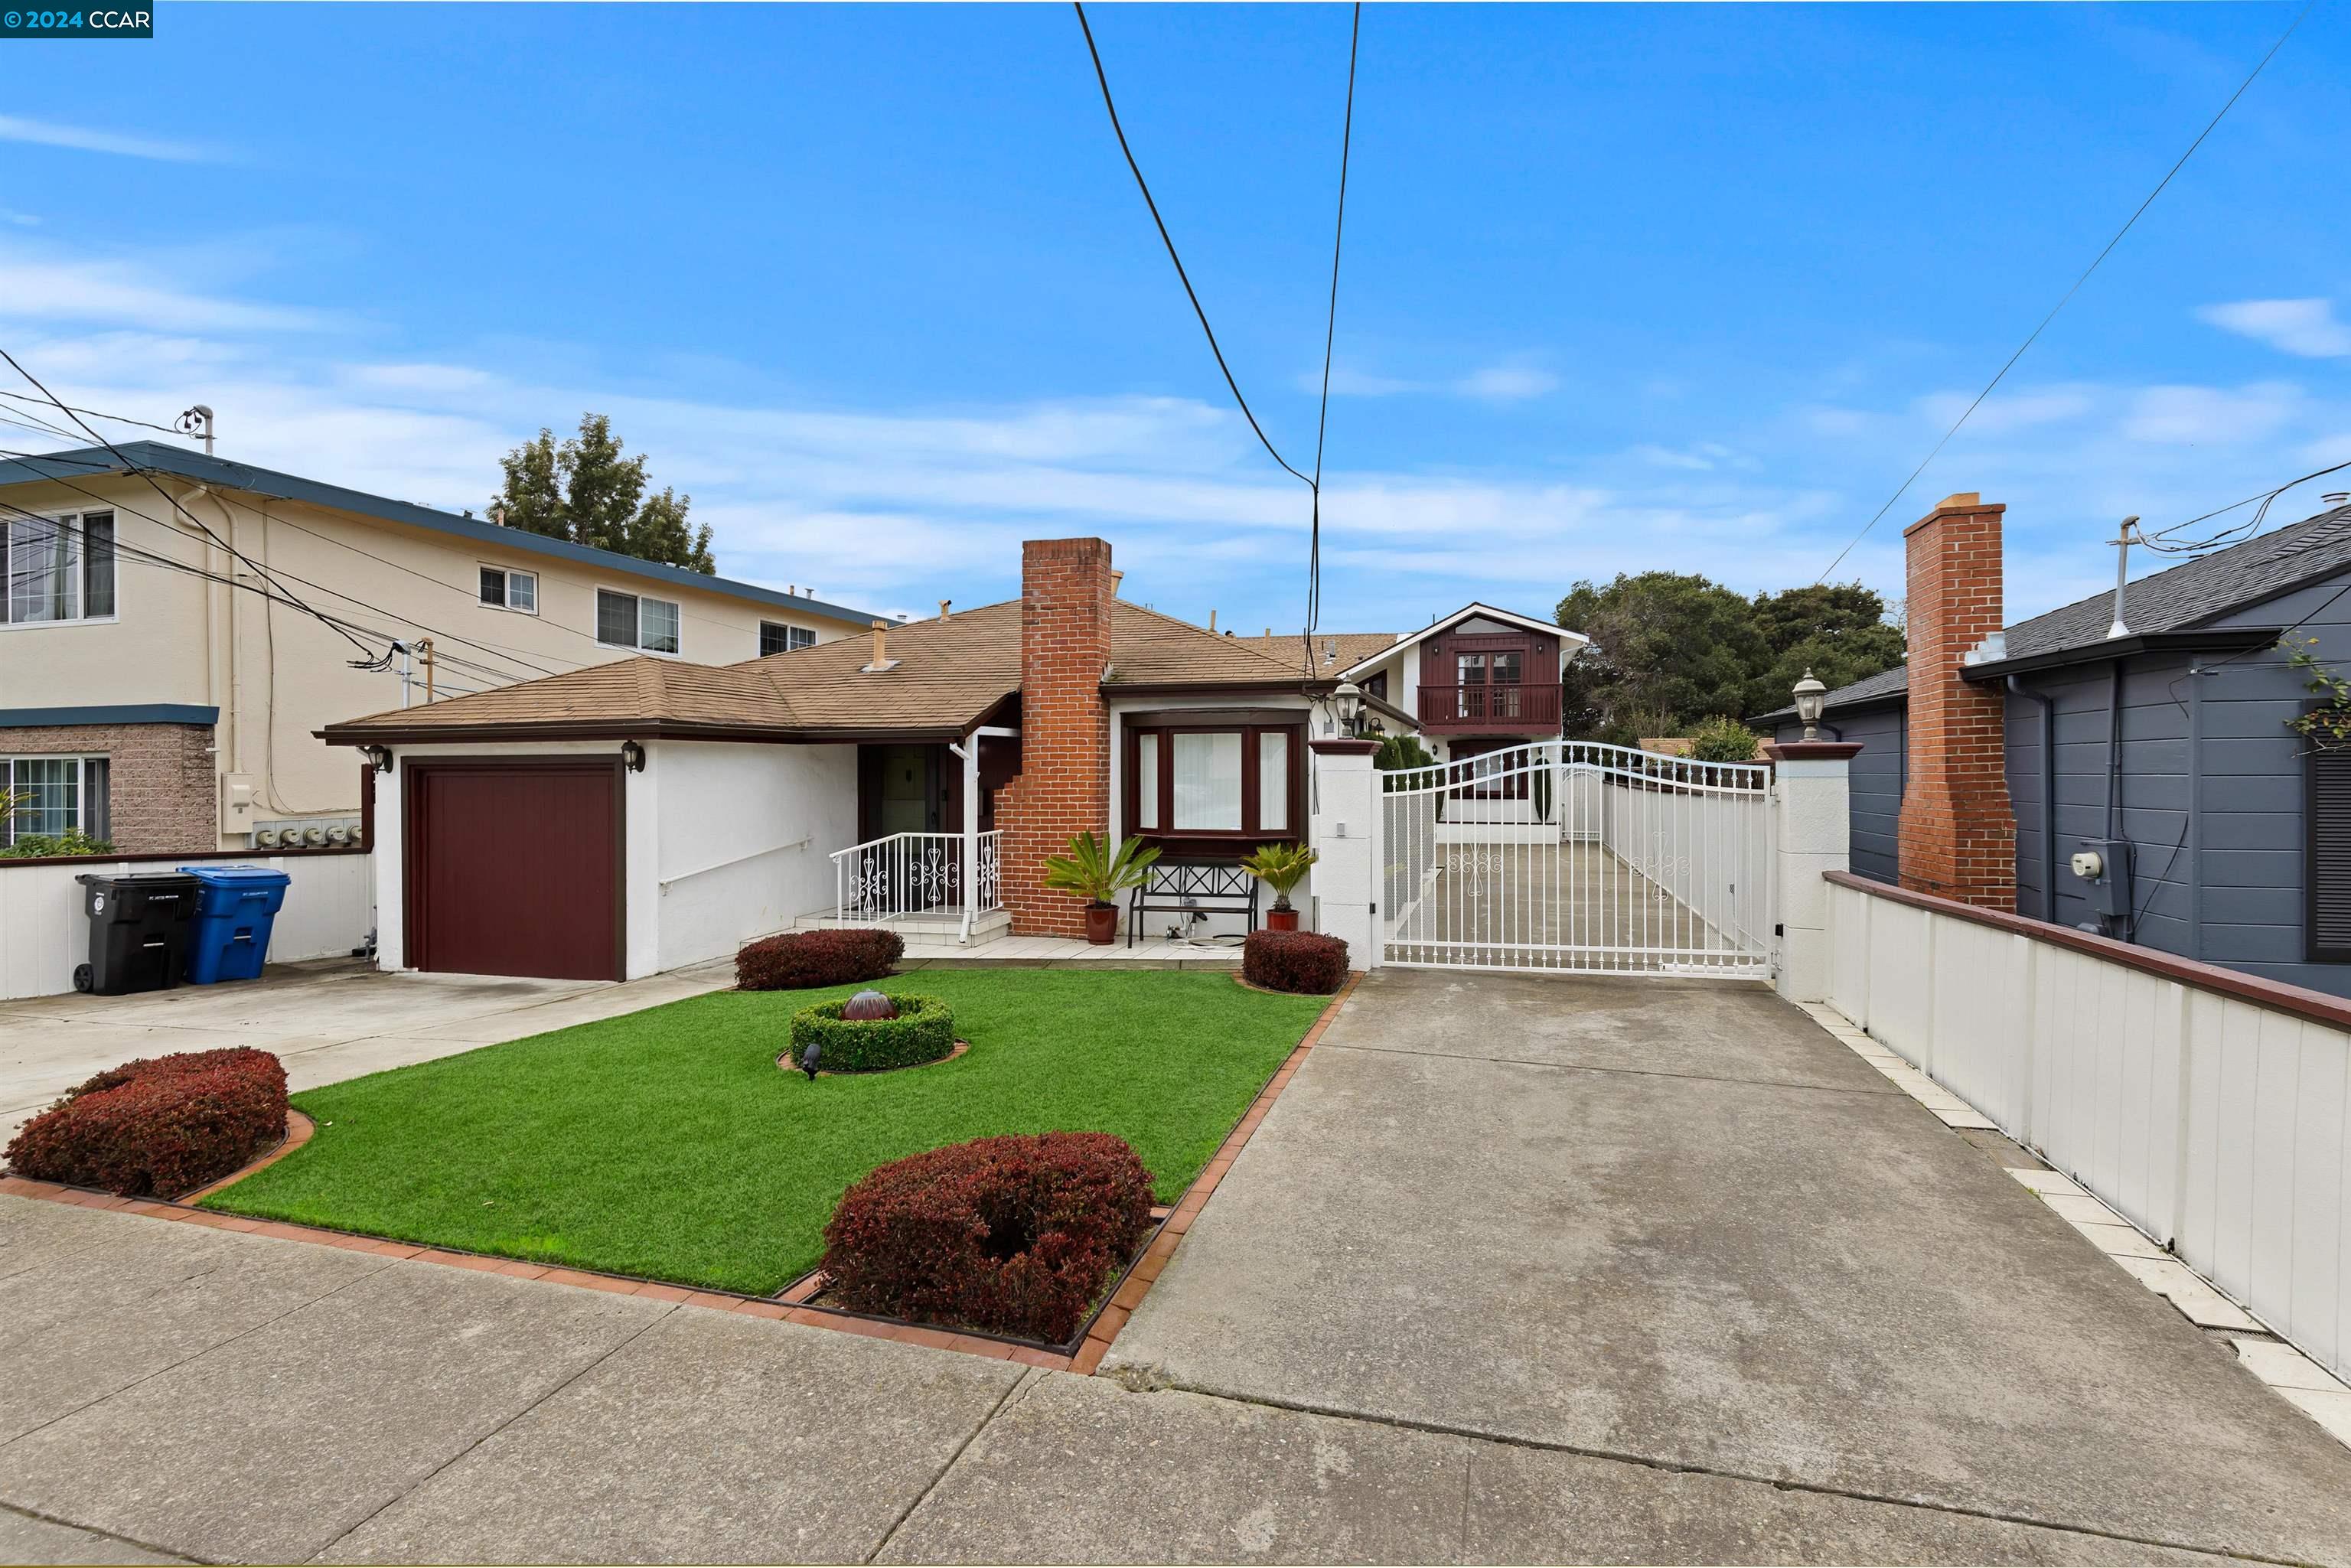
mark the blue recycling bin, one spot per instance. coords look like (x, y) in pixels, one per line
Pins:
(236, 906)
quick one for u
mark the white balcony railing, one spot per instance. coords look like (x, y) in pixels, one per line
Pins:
(909, 875)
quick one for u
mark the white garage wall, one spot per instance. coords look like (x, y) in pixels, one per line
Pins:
(746, 840)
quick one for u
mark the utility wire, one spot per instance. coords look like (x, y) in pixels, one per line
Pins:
(2238, 532)
(154, 484)
(2035, 335)
(1330, 336)
(94, 414)
(1189, 292)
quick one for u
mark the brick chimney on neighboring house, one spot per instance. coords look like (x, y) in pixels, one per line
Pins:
(1958, 833)
(1066, 589)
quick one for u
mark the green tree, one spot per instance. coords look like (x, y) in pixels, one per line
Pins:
(1665, 643)
(1837, 631)
(587, 492)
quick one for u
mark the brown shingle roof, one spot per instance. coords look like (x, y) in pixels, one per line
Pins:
(948, 674)
(1354, 648)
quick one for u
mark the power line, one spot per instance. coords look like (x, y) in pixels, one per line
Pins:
(94, 414)
(2236, 533)
(1330, 336)
(2035, 334)
(152, 484)
(1185, 278)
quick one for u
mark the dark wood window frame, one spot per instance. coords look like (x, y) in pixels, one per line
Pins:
(1215, 842)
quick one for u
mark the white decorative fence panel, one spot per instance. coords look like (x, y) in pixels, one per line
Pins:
(329, 909)
(2218, 1123)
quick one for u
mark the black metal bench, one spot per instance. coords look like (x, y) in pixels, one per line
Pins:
(1193, 887)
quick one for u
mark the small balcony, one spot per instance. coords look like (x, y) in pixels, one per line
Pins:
(1491, 709)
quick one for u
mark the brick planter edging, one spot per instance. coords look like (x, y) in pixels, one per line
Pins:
(1098, 1336)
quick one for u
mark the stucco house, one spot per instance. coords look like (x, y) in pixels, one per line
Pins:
(624, 819)
(155, 690)
(2162, 747)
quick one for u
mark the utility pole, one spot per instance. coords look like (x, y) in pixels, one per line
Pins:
(407, 671)
(2122, 574)
(198, 421)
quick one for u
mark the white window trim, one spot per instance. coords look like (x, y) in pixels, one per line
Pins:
(81, 761)
(676, 604)
(114, 619)
(512, 572)
(790, 632)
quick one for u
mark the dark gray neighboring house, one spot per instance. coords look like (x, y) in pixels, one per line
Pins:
(2173, 738)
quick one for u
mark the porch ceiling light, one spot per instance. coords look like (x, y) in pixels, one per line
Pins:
(1810, 696)
(1349, 701)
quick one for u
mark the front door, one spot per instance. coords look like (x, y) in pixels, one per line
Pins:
(910, 796)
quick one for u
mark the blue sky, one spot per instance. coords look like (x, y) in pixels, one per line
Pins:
(1685, 286)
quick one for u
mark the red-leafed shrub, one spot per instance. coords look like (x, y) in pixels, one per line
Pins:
(158, 1126)
(799, 960)
(1303, 961)
(1014, 1235)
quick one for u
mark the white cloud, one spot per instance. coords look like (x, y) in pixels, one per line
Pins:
(45, 133)
(2304, 327)
(118, 294)
(1507, 383)
(20, 220)
(2192, 416)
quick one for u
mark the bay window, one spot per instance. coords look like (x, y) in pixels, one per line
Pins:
(1220, 783)
(57, 569)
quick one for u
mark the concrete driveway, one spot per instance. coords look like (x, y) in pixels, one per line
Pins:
(1678, 1224)
(327, 1020)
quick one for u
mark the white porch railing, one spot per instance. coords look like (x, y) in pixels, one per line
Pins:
(907, 874)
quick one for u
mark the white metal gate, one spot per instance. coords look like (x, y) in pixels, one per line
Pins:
(1567, 855)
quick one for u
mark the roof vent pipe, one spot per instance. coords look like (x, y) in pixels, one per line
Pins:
(946, 607)
(882, 659)
(1114, 578)
(1212, 619)
(2122, 571)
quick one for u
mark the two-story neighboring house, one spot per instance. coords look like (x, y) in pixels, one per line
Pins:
(1474, 683)
(175, 629)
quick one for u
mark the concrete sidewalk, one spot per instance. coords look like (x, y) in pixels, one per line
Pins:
(171, 1391)
(329, 1019)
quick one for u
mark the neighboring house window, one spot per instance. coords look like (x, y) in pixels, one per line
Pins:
(2327, 829)
(57, 569)
(1376, 686)
(54, 795)
(1221, 781)
(508, 590)
(778, 638)
(628, 620)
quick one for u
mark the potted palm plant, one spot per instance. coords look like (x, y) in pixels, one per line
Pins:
(1092, 872)
(1280, 867)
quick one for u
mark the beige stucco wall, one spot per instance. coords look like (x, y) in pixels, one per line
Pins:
(275, 674)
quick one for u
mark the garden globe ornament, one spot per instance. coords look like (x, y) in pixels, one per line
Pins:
(1810, 696)
(868, 1005)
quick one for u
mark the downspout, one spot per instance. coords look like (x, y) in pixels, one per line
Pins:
(2048, 796)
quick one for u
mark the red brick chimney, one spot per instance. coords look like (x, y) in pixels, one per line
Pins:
(1958, 833)
(1066, 589)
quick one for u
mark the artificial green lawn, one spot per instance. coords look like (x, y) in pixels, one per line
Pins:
(666, 1143)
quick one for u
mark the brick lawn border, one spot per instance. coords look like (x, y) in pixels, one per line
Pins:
(786, 1305)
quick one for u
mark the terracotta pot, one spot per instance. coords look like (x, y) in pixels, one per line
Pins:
(1101, 924)
(1281, 920)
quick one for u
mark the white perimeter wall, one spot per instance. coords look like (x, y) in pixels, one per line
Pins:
(2221, 1127)
(44, 932)
(746, 841)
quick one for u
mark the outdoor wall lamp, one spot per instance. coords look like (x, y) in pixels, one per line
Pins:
(377, 757)
(1349, 702)
(1810, 696)
(633, 756)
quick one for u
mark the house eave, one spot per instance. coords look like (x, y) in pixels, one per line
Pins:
(624, 729)
(2184, 640)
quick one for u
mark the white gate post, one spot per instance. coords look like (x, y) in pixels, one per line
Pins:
(1811, 832)
(1344, 833)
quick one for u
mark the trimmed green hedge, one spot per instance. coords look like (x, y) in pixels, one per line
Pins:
(923, 1031)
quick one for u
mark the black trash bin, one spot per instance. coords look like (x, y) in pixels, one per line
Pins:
(138, 931)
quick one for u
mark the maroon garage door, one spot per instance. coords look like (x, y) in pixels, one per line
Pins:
(514, 867)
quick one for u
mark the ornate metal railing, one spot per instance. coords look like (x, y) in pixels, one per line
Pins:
(907, 874)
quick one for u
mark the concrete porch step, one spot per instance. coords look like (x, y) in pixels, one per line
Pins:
(928, 929)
